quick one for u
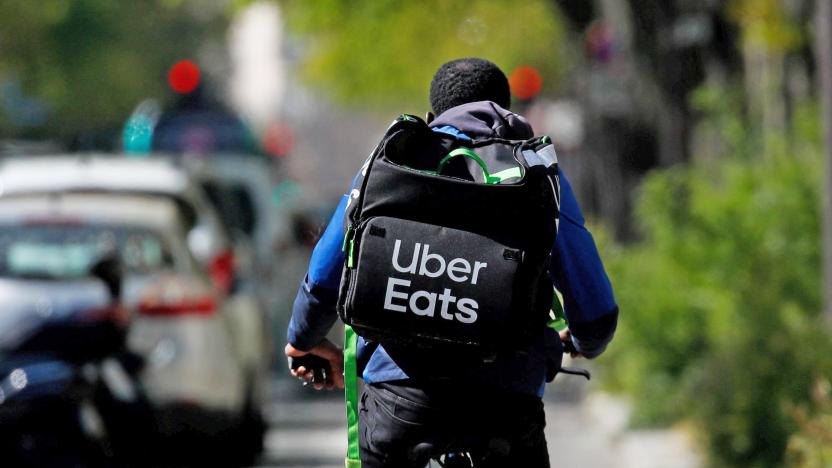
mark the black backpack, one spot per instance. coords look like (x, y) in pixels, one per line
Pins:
(448, 241)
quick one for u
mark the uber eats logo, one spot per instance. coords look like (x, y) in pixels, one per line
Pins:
(400, 298)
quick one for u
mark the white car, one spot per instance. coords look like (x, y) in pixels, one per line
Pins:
(111, 174)
(192, 366)
(207, 237)
(239, 187)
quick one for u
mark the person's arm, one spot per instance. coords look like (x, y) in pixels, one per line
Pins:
(579, 275)
(314, 311)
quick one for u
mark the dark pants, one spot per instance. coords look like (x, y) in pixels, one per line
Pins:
(497, 429)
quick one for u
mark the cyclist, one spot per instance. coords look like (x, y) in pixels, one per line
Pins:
(496, 408)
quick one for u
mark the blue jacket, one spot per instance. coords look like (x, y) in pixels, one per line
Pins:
(576, 271)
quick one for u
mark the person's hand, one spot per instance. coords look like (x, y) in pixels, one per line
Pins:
(566, 338)
(327, 350)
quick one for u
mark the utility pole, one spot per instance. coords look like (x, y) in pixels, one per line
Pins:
(823, 51)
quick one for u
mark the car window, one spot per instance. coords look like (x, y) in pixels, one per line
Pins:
(69, 251)
(234, 204)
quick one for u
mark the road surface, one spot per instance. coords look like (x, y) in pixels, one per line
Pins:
(308, 429)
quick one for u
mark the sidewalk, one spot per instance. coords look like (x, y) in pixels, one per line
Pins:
(593, 433)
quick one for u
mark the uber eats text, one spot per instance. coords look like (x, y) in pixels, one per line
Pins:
(399, 298)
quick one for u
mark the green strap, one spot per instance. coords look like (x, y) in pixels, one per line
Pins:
(351, 396)
(509, 173)
(558, 317)
(488, 178)
(468, 154)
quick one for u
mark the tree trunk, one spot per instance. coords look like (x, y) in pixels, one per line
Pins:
(823, 49)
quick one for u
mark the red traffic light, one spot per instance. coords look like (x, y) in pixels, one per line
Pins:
(183, 76)
(525, 82)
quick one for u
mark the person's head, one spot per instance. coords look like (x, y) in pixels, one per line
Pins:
(468, 80)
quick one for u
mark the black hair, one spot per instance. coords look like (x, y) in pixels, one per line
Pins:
(468, 80)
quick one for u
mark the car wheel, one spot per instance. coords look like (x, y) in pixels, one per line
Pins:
(250, 434)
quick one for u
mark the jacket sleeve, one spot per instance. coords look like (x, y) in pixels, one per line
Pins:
(314, 311)
(578, 273)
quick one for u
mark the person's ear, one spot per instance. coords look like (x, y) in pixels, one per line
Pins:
(429, 117)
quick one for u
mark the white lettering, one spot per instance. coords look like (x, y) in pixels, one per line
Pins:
(423, 267)
(391, 294)
(459, 265)
(414, 303)
(477, 267)
(446, 298)
(410, 268)
(433, 265)
(467, 310)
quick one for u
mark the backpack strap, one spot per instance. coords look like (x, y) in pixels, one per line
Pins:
(353, 459)
(534, 152)
(472, 156)
(510, 173)
(495, 178)
(541, 152)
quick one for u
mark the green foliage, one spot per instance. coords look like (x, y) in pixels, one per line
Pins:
(384, 53)
(720, 302)
(92, 61)
(766, 24)
(811, 446)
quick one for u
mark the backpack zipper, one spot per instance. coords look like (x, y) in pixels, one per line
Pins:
(350, 254)
(348, 247)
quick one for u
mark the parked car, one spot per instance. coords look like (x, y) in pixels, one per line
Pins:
(239, 187)
(207, 237)
(10, 147)
(69, 393)
(188, 331)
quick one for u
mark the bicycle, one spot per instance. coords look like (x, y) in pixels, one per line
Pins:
(474, 452)
(468, 452)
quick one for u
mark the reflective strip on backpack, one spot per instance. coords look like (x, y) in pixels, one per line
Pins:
(557, 318)
(351, 396)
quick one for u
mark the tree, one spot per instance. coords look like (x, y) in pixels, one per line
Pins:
(382, 53)
(87, 63)
(721, 300)
(823, 43)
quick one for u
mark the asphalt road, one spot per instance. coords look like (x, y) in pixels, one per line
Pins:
(308, 429)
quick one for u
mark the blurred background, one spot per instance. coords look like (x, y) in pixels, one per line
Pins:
(167, 165)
